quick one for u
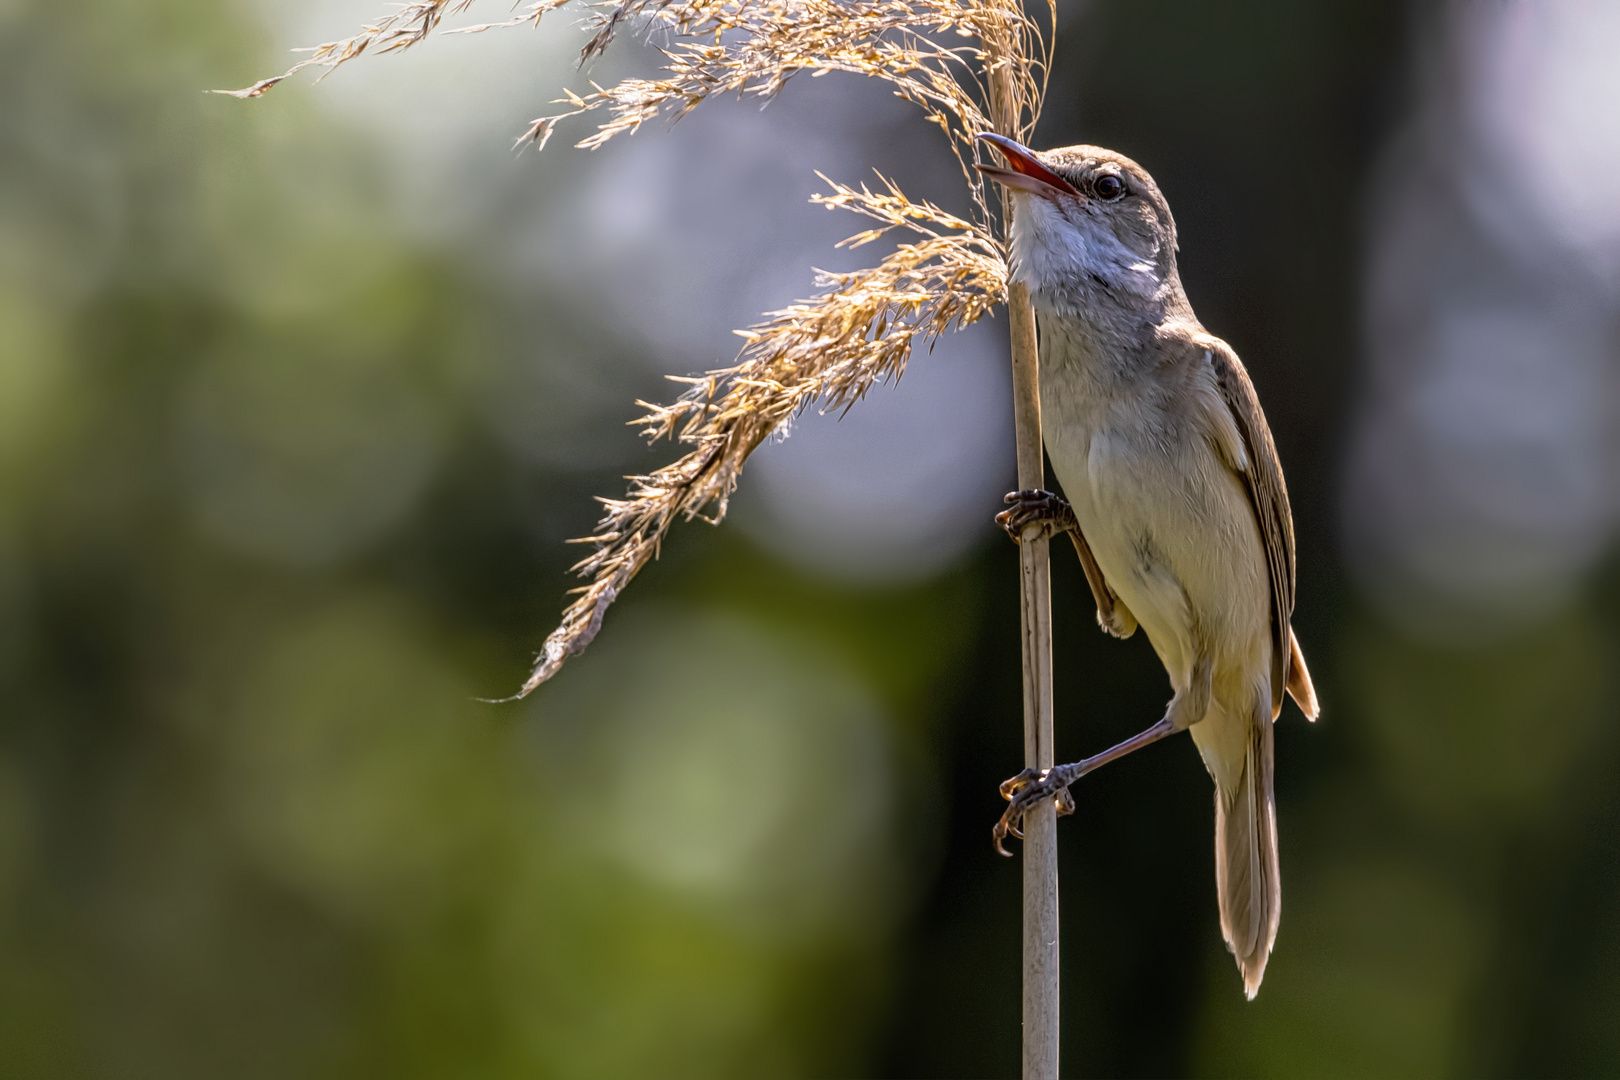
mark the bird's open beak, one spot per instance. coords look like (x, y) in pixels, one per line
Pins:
(1027, 173)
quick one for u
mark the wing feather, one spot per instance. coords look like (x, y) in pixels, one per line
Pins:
(1268, 496)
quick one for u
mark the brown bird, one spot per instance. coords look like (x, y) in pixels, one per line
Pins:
(1176, 507)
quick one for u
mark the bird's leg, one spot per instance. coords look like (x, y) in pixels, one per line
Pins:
(1054, 515)
(1114, 617)
(1030, 787)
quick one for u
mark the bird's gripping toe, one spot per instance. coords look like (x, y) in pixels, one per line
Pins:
(1036, 507)
(1024, 791)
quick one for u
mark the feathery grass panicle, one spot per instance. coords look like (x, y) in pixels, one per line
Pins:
(407, 26)
(944, 56)
(832, 349)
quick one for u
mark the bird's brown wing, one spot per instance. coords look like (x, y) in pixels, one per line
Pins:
(1268, 495)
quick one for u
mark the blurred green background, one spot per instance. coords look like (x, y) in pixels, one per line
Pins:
(269, 530)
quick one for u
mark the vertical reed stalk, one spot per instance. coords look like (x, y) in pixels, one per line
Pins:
(1040, 946)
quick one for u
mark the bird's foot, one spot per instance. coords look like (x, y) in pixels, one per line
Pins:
(1050, 512)
(1025, 790)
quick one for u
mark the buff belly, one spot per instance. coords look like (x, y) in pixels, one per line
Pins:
(1175, 537)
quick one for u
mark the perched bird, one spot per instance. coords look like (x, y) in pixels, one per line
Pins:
(1176, 502)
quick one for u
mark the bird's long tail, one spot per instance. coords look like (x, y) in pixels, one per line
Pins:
(1246, 872)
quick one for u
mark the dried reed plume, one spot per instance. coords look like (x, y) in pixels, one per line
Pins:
(970, 65)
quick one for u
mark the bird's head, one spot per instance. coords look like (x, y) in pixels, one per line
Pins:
(1089, 229)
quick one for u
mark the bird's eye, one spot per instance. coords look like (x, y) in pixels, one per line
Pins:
(1109, 187)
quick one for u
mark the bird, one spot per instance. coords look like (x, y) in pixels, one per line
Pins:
(1175, 501)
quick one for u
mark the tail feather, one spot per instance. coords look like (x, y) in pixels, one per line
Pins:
(1246, 872)
(1299, 680)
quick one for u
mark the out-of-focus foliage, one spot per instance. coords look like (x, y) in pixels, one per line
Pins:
(283, 485)
(264, 548)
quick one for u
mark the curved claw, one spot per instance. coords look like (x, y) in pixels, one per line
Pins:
(1011, 787)
(1000, 833)
(1011, 824)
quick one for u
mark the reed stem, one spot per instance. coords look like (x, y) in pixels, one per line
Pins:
(1040, 946)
